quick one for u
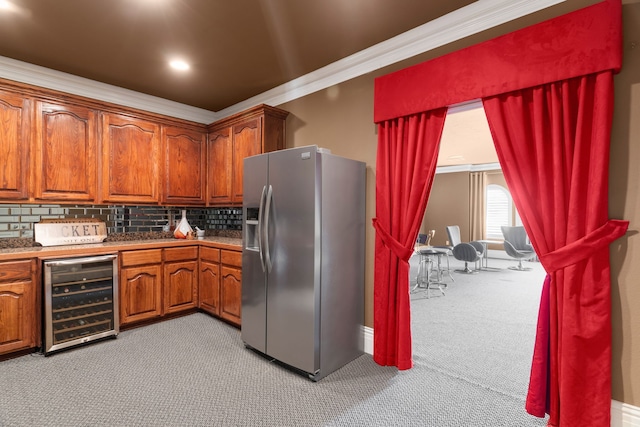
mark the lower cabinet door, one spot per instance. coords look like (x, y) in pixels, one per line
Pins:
(231, 294)
(180, 286)
(140, 293)
(17, 316)
(209, 298)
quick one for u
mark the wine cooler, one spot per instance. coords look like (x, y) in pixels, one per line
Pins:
(80, 301)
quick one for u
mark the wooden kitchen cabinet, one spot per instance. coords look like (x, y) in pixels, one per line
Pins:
(258, 130)
(209, 281)
(65, 153)
(131, 159)
(15, 127)
(66, 149)
(246, 143)
(231, 286)
(18, 308)
(184, 166)
(180, 282)
(219, 164)
(140, 285)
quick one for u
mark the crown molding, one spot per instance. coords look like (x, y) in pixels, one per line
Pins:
(473, 104)
(476, 17)
(36, 75)
(468, 168)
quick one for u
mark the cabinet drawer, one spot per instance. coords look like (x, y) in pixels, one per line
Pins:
(180, 254)
(231, 258)
(12, 271)
(210, 254)
(150, 256)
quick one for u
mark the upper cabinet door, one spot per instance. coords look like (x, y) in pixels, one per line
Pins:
(257, 130)
(130, 159)
(247, 141)
(219, 164)
(14, 146)
(184, 156)
(65, 153)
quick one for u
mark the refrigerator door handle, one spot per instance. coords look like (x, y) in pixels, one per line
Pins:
(266, 229)
(260, 227)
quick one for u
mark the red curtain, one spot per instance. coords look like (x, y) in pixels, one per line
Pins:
(553, 144)
(405, 166)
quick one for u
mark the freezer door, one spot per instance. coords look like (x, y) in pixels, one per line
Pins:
(294, 238)
(254, 309)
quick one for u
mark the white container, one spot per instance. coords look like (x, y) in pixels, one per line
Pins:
(183, 228)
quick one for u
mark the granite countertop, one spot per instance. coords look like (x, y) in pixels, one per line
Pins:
(20, 248)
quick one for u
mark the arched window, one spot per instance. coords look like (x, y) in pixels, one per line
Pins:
(499, 210)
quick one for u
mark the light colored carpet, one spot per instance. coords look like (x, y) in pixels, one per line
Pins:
(195, 371)
(483, 329)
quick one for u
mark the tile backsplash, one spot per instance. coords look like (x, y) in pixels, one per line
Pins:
(18, 220)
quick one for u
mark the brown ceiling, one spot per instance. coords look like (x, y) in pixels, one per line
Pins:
(237, 48)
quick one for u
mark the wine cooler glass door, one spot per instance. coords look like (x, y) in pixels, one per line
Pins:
(81, 297)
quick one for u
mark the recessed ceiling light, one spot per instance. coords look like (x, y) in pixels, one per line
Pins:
(179, 65)
(6, 5)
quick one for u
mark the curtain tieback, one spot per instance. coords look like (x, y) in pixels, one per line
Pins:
(584, 247)
(391, 243)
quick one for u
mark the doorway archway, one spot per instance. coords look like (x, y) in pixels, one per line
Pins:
(538, 84)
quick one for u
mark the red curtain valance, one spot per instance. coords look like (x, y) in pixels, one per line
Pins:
(583, 42)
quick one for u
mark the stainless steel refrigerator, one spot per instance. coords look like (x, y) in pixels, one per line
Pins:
(303, 258)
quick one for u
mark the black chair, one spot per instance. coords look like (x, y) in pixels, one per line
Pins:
(425, 239)
(422, 239)
(462, 251)
(516, 245)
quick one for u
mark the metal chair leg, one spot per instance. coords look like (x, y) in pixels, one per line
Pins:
(520, 267)
(423, 273)
(449, 269)
(466, 269)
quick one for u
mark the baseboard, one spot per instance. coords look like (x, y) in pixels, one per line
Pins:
(622, 414)
(368, 340)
